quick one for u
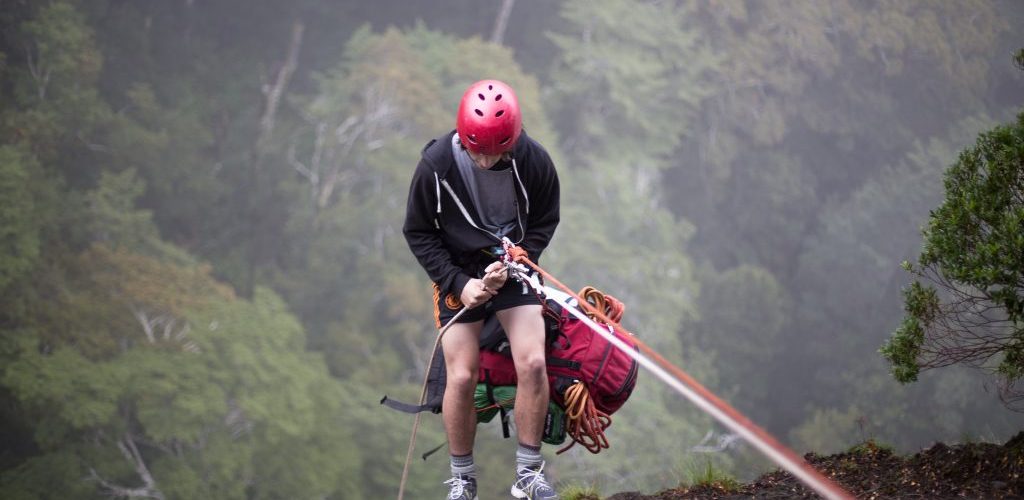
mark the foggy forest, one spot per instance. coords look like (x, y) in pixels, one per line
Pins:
(206, 290)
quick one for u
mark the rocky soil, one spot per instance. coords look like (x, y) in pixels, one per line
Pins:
(975, 470)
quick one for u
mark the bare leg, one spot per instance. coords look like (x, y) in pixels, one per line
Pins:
(524, 326)
(461, 346)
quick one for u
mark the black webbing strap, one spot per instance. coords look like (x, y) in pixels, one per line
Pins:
(406, 407)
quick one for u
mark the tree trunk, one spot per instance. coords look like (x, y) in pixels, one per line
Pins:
(501, 23)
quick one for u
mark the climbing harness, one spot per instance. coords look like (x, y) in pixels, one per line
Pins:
(521, 268)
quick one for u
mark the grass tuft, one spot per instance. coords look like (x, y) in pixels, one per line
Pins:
(577, 492)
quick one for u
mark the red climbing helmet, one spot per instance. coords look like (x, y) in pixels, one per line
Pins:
(489, 121)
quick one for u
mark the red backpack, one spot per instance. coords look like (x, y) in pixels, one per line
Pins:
(577, 354)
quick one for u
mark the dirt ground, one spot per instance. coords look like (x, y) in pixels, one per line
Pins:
(977, 470)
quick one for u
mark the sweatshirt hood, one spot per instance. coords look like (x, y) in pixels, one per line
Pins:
(438, 152)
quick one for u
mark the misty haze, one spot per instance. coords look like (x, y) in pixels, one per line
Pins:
(206, 290)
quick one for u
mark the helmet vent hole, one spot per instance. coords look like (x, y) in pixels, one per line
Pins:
(478, 112)
(499, 113)
(497, 97)
(490, 87)
(505, 141)
(481, 96)
(472, 138)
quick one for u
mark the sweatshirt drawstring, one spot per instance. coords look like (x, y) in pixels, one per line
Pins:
(522, 187)
(437, 188)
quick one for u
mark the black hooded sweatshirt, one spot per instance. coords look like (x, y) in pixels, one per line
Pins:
(440, 215)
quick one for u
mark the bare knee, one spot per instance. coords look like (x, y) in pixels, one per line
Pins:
(532, 368)
(461, 379)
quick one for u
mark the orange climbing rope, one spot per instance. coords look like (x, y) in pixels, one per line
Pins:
(697, 393)
(584, 423)
(610, 306)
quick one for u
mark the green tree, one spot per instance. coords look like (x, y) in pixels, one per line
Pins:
(54, 102)
(618, 80)
(19, 233)
(809, 102)
(970, 309)
(743, 313)
(814, 159)
(208, 397)
(850, 274)
(107, 214)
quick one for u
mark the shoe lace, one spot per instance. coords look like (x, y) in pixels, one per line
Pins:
(533, 479)
(458, 487)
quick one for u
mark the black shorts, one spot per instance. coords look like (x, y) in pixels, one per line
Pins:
(511, 294)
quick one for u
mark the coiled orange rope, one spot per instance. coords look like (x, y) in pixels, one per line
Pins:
(610, 306)
(584, 423)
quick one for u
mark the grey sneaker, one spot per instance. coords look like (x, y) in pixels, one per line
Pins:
(531, 484)
(461, 488)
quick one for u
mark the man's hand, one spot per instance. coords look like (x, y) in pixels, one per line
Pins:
(476, 293)
(495, 275)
